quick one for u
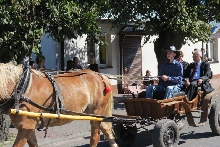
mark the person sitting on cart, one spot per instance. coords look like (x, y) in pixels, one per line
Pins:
(170, 76)
(147, 80)
(198, 74)
(179, 57)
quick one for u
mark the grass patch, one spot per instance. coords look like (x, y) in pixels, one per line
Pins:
(10, 140)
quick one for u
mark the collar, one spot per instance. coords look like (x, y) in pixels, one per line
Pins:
(199, 62)
(175, 61)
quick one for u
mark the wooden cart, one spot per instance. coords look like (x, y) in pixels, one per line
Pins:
(168, 115)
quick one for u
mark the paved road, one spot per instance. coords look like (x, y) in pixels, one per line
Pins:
(76, 134)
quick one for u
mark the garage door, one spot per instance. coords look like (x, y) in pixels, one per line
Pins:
(132, 56)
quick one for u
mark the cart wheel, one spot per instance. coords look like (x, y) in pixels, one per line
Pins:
(125, 134)
(180, 121)
(214, 118)
(166, 134)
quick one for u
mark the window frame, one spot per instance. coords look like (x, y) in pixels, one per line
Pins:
(96, 50)
(212, 50)
(102, 45)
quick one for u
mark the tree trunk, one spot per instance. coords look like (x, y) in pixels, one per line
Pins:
(5, 122)
(165, 40)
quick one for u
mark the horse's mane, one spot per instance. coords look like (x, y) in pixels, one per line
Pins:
(38, 73)
(9, 75)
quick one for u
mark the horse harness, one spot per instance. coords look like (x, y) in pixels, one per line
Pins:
(21, 87)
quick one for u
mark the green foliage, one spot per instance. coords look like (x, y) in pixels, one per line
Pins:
(174, 21)
(190, 18)
(23, 23)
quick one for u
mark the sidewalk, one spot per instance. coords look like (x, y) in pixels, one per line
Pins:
(215, 82)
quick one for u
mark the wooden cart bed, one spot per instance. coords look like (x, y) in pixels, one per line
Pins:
(156, 109)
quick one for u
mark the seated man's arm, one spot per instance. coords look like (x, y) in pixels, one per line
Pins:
(206, 73)
(179, 76)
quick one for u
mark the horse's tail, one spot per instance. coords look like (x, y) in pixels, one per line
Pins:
(110, 104)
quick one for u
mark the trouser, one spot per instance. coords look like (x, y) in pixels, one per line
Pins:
(191, 91)
(169, 90)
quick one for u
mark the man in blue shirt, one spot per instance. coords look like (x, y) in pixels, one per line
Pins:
(170, 76)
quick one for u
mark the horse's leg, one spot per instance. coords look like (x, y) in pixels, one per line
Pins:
(104, 127)
(22, 137)
(95, 133)
(32, 140)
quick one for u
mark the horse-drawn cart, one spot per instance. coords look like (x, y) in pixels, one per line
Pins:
(39, 97)
(168, 115)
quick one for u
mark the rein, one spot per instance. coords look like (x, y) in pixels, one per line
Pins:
(111, 76)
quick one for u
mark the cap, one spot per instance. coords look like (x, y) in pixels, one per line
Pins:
(171, 48)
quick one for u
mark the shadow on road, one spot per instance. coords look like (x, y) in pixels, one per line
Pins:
(102, 143)
(193, 135)
(143, 139)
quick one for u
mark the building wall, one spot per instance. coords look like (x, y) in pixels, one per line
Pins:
(77, 47)
(51, 51)
(149, 61)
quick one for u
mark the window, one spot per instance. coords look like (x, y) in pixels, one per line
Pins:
(102, 50)
(90, 47)
(212, 50)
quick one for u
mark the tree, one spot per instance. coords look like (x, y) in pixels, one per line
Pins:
(4, 127)
(23, 23)
(174, 21)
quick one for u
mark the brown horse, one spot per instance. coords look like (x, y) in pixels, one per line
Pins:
(82, 91)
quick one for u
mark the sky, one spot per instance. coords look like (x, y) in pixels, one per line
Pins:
(216, 26)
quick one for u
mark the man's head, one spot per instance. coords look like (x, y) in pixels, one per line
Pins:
(75, 60)
(197, 56)
(148, 73)
(179, 56)
(171, 53)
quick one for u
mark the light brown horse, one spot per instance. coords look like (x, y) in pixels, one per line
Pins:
(82, 91)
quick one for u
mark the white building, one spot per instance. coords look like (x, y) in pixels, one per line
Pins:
(122, 50)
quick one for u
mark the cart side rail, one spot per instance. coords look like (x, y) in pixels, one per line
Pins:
(156, 109)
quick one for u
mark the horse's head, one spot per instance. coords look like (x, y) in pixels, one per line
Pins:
(9, 75)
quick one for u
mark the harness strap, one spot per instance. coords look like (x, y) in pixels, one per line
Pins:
(58, 95)
(26, 99)
(45, 130)
(5, 106)
(59, 102)
(22, 85)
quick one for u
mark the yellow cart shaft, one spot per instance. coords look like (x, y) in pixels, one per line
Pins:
(49, 115)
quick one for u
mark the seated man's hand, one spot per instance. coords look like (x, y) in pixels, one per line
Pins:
(187, 83)
(164, 77)
(200, 81)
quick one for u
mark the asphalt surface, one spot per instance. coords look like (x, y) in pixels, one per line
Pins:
(77, 133)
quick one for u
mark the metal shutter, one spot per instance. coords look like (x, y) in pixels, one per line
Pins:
(132, 58)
